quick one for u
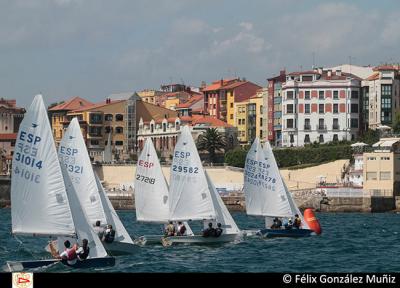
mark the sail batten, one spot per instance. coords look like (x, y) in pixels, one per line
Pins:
(40, 205)
(189, 194)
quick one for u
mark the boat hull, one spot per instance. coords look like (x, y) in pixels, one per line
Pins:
(198, 239)
(292, 233)
(149, 240)
(14, 266)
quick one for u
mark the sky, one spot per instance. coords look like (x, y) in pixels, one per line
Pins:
(93, 48)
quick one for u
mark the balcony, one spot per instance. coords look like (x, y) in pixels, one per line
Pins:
(307, 127)
(322, 128)
(336, 127)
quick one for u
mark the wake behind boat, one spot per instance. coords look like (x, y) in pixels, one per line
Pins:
(44, 203)
(266, 195)
(192, 196)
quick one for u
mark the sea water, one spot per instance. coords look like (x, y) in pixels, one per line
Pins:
(350, 242)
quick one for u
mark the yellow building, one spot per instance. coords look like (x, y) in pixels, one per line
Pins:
(381, 168)
(149, 96)
(172, 103)
(58, 115)
(248, 118)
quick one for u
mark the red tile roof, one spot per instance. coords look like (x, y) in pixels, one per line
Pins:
(72, 104)
(8, 136)
(217, 84)
(386, 67)
(193, 100)
(374, 76)
(98, 105)
(235, 84)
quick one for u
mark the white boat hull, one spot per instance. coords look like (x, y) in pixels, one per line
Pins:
(198, 239)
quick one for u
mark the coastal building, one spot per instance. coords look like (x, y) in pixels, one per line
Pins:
(194, 106)
(116, 120)
(220, 96)
(164, 132)
(150, 95)
(58, 115)
(249, 119)
(274, 108)
(320, 106)
(381, 168)
(381, 96)
(10, 119)
(264, 114)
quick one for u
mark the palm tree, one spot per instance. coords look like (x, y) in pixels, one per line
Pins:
(211, 140)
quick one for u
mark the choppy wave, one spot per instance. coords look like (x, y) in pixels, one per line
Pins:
(351, 242)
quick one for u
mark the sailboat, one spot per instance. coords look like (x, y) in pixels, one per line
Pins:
(266, 193)
(73, 154)
(151, 193)
(192, 195)
(44, 201)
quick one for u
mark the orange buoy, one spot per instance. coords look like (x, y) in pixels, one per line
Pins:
(312, 221)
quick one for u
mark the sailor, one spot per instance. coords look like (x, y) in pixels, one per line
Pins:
(181, 229)
(83, 251)
(277, 223)
(109, 234)
(210, 231)
(68, 254)
(170, 229)
(98, 229)
(289, 224)
(218, 230)
(297, 221)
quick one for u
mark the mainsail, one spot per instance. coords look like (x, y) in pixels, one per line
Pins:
(73, 155)
(222, 214)
(151, 189)
(40, 204)
(189, 195)
(263, 186)
(121, 235)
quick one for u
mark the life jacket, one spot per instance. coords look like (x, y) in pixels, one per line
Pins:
(71, 254)
(109, 235)
(182, 229)
(83, 255)
(218, 232)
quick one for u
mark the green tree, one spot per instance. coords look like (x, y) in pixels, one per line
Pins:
(370, 137)
(212, 141)
(396, 123)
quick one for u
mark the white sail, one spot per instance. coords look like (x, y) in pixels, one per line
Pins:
(255, 193)
(151, 189)
(295, 209)
(72, 153)
(121, 235)
(83, 228)
(40, 204)
(189, 195)
(278, 198)
(222, 214)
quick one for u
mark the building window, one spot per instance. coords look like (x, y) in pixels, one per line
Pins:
(231, 116)
(371, 158)
(335, 108)
(94, 142)
(243, 121)
(291, 139)
(289, 123)
(321, 124)
(108, 117)
(119, 143)
(261, 109)
(354, 123)
(289, 95)
(321, 109)
(307, 95)
(335, 138)
(261, 121)
(321, 94)
(354, 108)
(151, 128)
(289, 108)
(321, 138)
(119, 117)
(335, 94)
(307, 125)
(164, 127)
(307, 108)
(335, 125)
(371, 176)
(307, 138)
(119, 130)
(385, 158)
(231, 105)
(108, 129)
(354, 94)
(95, 118)
(385, 175)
